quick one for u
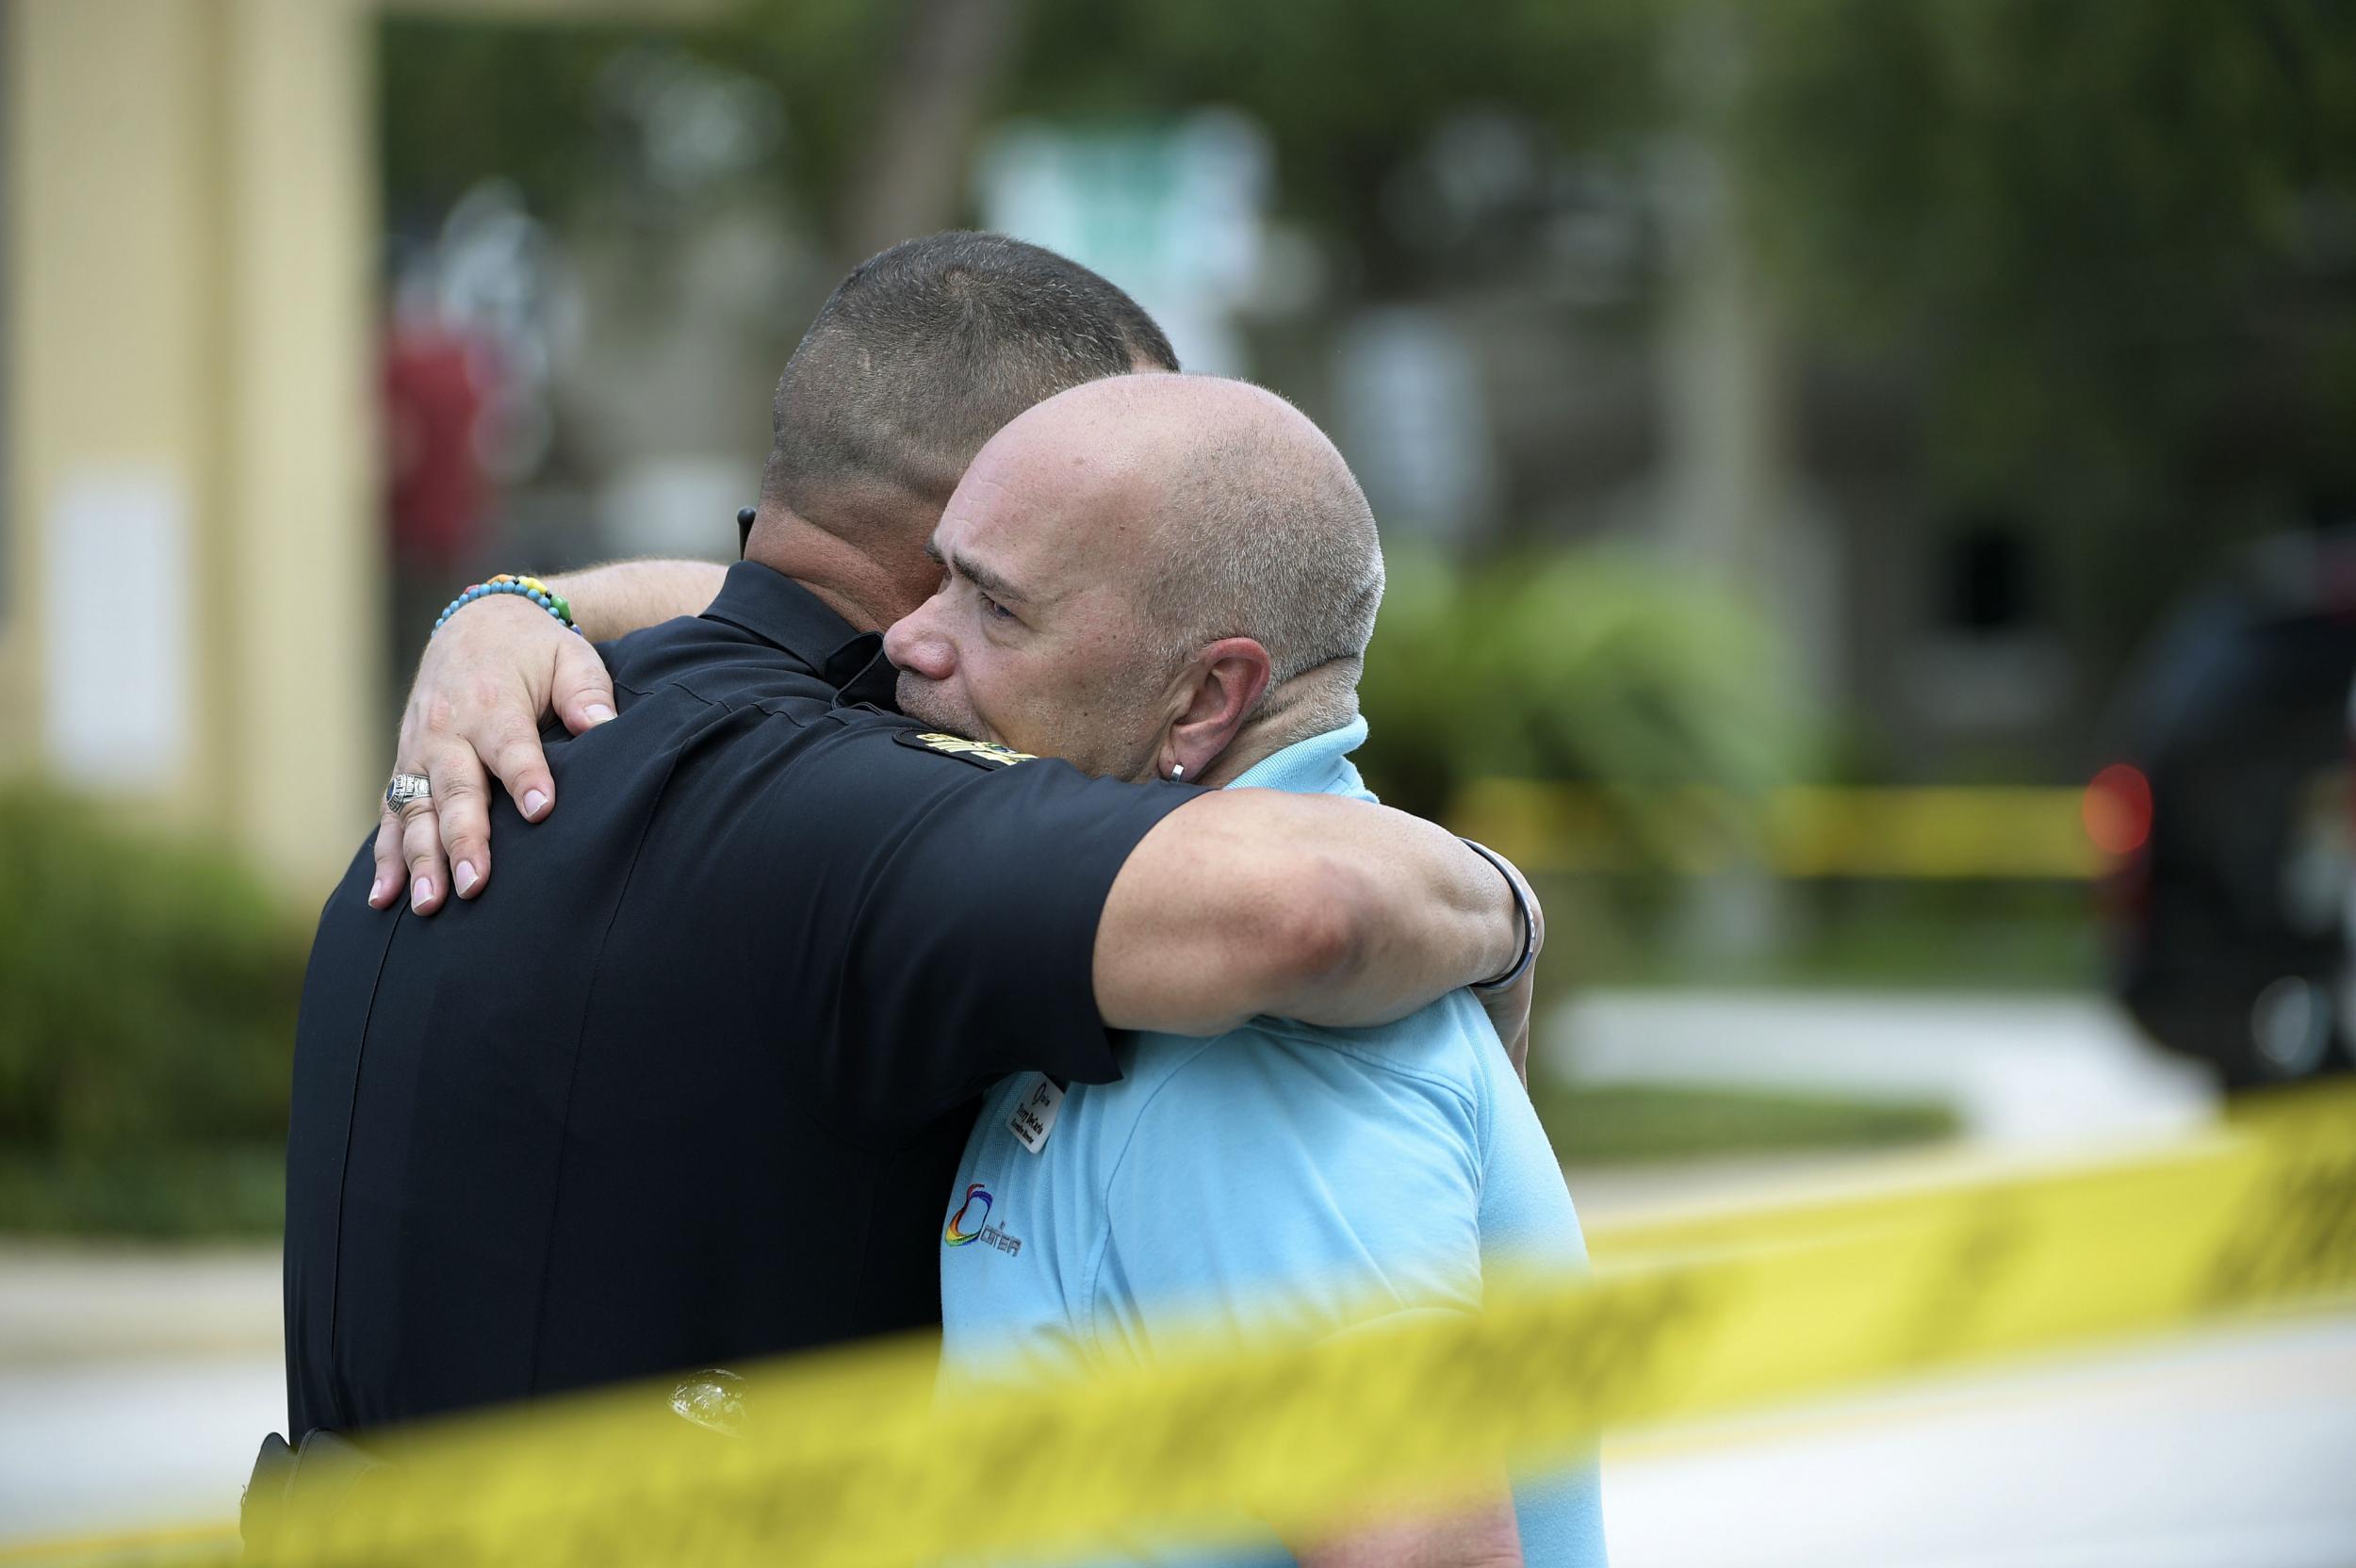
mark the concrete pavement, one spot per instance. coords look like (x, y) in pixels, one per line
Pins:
(135, 1383)
(2017, 1069)
(2228, 1449)
(97, 1446)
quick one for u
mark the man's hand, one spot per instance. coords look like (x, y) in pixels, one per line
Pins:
(486, 678)
(1509, 1009)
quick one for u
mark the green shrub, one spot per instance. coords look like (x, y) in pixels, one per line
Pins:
(148, 987)
(1629, 1123)
(168, 1193)
(1597, 664)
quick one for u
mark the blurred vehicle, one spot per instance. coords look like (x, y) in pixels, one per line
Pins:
(2227, 813)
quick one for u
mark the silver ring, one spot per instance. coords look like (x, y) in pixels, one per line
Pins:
(406, 790)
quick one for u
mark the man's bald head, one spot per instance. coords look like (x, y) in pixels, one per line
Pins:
(1146, 576)
(1240, 517)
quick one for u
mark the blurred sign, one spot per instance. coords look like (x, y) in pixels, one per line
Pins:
(1176, 215)
(1412, 421)
(115, 606)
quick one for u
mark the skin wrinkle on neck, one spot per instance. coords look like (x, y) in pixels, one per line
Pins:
(846, 578)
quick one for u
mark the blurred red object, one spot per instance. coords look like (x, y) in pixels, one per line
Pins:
(436, 492)
(2117, 809)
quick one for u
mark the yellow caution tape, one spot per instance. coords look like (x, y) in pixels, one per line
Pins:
(849, 1459)
(177, 1546)
(1801, 831)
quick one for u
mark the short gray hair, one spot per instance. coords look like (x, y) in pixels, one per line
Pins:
(1267, 536)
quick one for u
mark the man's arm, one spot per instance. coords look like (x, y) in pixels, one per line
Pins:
(1327, 910)
(1481, 1537)
(485, 678)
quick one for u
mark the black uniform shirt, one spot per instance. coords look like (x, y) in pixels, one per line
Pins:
(688, 1083)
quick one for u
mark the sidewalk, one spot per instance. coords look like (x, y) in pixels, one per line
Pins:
(135, 1382)
(64, 1302)
(2019, 1069)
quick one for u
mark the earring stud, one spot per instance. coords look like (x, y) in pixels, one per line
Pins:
(1177, 769)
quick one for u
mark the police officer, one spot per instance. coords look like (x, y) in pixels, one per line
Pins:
(690, 1091)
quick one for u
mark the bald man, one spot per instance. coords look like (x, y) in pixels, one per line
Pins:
(1176, 576)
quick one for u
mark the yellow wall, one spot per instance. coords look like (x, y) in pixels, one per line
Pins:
(189, 241)
(106, 135)
(299, 526)
(190, 234)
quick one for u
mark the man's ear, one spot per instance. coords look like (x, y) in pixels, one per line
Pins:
(1221, 685)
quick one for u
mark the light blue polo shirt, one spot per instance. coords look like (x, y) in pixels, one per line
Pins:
(1281, 1175)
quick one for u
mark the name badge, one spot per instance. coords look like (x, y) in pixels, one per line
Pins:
(1034, 1113)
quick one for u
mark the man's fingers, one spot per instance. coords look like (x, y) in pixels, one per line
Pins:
(387, 889)
(583, 693)
(422, 855)
(472, 714)
(515, 754)
(462, 818)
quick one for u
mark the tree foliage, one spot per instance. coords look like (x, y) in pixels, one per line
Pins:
(2110, 246)
(1349, 90)
(2086, 222)
(2084, 219)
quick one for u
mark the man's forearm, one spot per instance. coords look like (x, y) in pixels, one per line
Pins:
(1424, 916)
(624, 596)
(1486, 1536)
(1330, 911)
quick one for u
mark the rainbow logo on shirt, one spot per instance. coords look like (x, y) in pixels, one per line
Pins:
(958, 1234)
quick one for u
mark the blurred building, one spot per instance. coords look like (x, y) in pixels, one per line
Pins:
(192, 577)
(1530, 331)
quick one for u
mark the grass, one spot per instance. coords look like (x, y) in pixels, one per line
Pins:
(1627, 1124)
(1996, 936)
(173, 1194)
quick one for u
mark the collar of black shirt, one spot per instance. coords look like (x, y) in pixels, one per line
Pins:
(779, 611)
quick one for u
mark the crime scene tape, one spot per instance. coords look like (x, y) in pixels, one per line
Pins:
(1948, 834)
(850, 1458)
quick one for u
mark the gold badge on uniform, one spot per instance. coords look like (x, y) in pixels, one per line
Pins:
(982, 754)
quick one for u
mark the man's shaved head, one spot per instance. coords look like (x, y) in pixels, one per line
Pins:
(921, 356)
(1264, 531)
(1143, 570)
(1250, 523)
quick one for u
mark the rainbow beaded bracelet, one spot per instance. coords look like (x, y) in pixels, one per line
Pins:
(531, 588)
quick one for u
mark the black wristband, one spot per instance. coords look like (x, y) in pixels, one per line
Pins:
(1530, 926)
